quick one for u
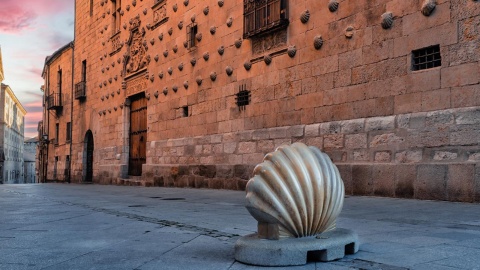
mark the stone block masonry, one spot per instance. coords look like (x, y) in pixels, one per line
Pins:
(416, 155)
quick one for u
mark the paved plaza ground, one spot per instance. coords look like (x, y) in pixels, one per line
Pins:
(61, 226)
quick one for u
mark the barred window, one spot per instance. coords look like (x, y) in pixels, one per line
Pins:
(261, 16)
(426, 58)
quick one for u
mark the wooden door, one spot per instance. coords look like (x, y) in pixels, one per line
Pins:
(138, 134)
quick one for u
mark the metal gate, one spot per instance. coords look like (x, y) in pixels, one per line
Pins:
(89, 161)
(138, 134)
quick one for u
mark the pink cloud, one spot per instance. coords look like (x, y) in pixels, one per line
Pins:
(16, 16)
(34, 115)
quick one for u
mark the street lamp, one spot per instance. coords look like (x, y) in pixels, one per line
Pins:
(45, 138)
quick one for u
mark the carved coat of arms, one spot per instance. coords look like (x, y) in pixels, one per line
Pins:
(136, 58)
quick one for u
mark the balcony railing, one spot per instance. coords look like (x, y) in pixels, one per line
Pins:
(80, 90)
(54, 101)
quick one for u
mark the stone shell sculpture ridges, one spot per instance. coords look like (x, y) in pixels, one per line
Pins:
(333, 5)
(387, 20)
(298, 188)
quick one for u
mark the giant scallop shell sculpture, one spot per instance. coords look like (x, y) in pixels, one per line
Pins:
(298, 188)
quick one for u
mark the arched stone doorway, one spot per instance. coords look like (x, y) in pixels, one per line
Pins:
(88, 148)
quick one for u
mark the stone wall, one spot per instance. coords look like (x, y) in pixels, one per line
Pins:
(356, 96)
(434, 155)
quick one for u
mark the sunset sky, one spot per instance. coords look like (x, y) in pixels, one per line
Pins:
(30, 30)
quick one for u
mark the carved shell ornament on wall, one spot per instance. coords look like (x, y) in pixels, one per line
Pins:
(220, 3)
(305, 16)
(199, 80)
(267, 59)
(238, 43)
(213, 76)
(428, 7)
(247, 65)
(333, 5)
(206, 10)
(229, 70)
(221, 50)
(387, 20)
(297, 187)
(349, 31)
(185, 84)
(291, 51)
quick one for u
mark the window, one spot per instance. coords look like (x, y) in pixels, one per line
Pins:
(185, 111)
(261, 16)
(91, 8)
(426, 58)
(57, 132)
(84, 70)
(192, 31)
(59, 81)
(116, 8)
(243, 97)
(80, 88)
(69, 132)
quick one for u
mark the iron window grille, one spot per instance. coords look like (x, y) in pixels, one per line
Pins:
(54, 101)
(185, 111)
(426, 58)
(80, 90)
(192, 31)
(263, 16)
(243, 97)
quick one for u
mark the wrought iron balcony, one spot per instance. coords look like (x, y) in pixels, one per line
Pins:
(80, 90)
(54, 101)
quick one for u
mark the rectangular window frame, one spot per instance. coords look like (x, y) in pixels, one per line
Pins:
(426, 58)
(263, 17)
(57, 133)
(192, 30)
(69, 132)
(116, 16)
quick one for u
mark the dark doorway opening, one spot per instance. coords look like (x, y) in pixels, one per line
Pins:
(89, 147)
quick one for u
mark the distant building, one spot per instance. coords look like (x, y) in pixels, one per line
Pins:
(11, 134)
(55, 128)
(29, 154)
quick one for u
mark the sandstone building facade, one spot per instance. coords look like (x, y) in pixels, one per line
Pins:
(194, 93)
(12, 125)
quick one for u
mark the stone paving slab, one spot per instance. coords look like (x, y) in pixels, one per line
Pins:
(59, 226)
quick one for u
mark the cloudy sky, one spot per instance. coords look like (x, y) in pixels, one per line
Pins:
(29, 31)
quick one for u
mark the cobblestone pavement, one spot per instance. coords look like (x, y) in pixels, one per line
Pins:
(59, 226)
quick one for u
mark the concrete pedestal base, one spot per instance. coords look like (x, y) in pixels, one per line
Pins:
(328, 246)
